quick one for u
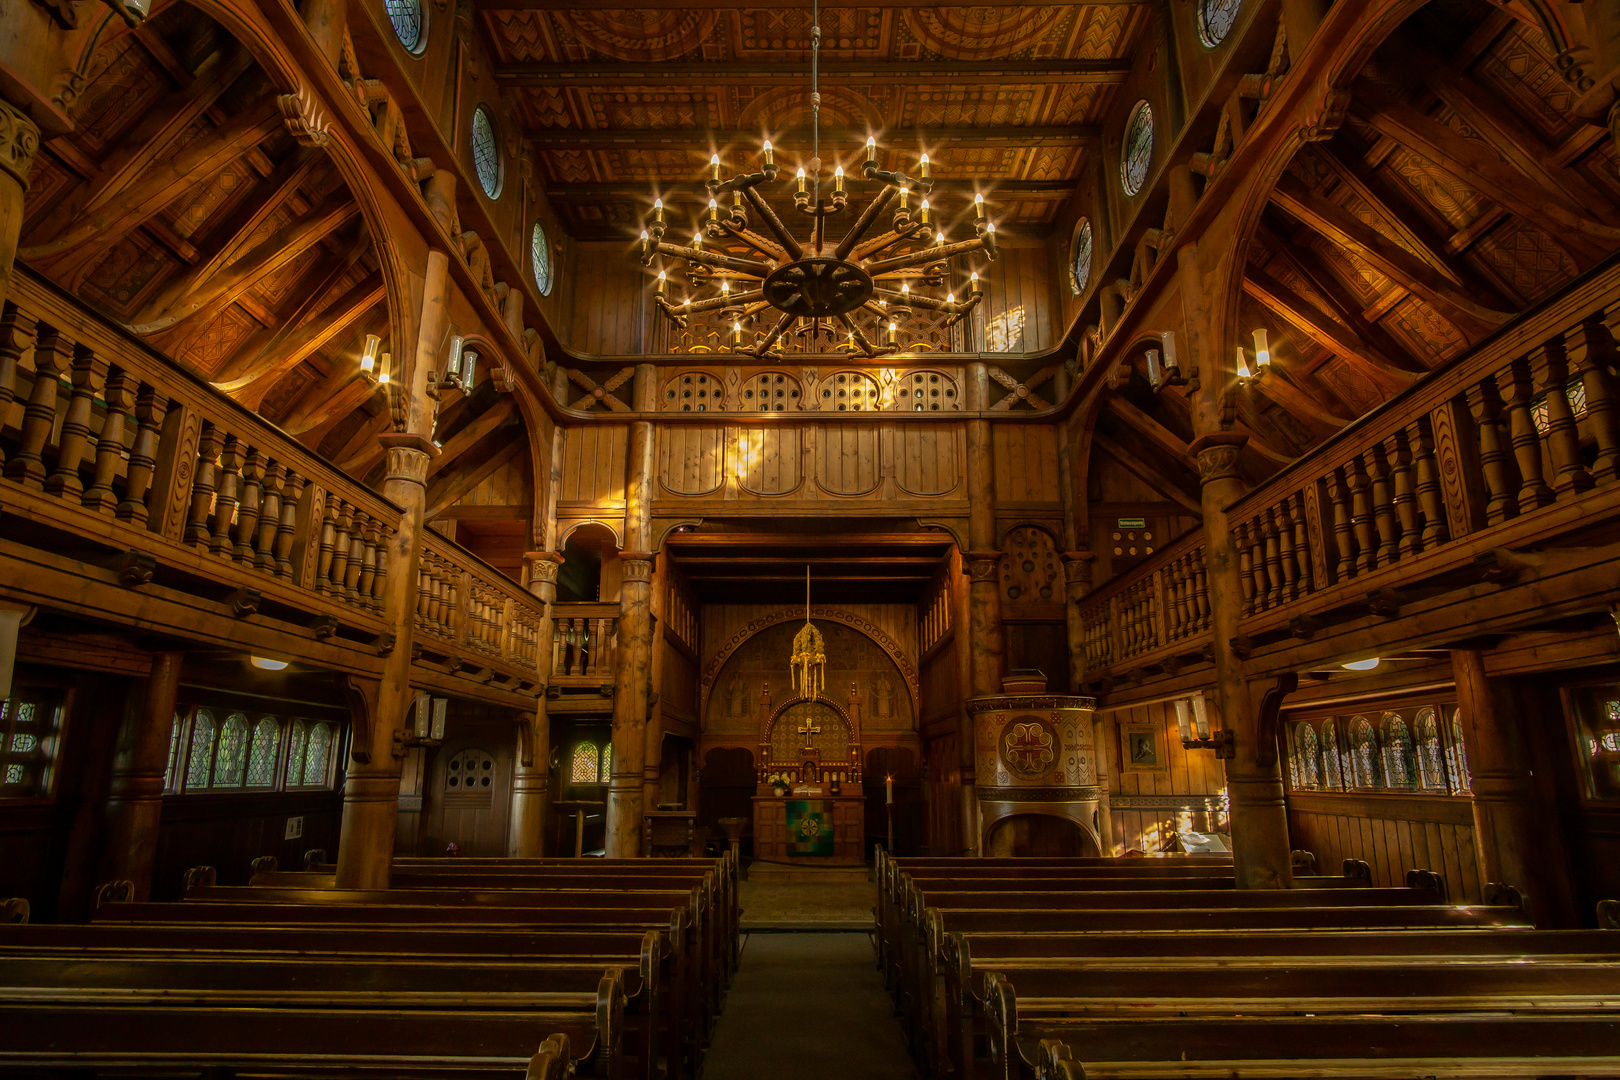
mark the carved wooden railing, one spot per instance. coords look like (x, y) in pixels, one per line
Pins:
(584, 641)
(150, 470)
(1512, 445)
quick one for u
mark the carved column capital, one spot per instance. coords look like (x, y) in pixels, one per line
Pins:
(1217, 455)
(1077, 573)
(637, 565)
(543, 565)
(19, 142)
(983, 566)
(408, 456)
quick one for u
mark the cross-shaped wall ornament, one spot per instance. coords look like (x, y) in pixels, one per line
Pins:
(1024, 392)
(603, 394)
(807, 729)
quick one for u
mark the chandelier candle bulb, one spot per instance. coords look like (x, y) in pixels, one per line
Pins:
(905, 194)
(658, 213)
(663, 283)
(838, 180)
(725, 288)
(978, 207)
(714, 211)
(892, 332)
(697, 241)
(926, 170)
(922, 212)
(770, 155)
(714, 166)
(801, 180)
(871, 150)
(1262, 350)
(736, 333)
(975, 284)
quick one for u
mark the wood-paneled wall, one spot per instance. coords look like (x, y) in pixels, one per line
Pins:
(1025, 457)
(1149, 806)
(1392, 834)
(608, 300)
(1020, 310)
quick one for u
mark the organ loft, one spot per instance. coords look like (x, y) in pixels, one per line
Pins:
(1076, 538)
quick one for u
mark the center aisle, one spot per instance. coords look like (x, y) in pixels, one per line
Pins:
(808, 1006)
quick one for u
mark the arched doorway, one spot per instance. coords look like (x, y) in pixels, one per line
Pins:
(1039, 835)
(726, 790)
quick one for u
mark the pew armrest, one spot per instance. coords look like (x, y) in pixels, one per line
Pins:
(551, 1061)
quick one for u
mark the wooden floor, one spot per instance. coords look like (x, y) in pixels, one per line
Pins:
(808, 1006)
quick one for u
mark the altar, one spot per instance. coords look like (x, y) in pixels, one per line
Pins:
(809, 808)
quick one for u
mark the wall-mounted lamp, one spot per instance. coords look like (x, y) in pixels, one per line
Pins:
(460, 366)
(1361, 665)
(368, 358)
(1244, 374)
(1192, 717)
(427, 727)
(264, 663)
(1164, 369)
(1262, 350)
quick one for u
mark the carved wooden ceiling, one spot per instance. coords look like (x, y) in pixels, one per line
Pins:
(626, 104)
(1460, 190)
(181, 207)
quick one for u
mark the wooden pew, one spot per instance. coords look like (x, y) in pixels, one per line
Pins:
(1266, 1047)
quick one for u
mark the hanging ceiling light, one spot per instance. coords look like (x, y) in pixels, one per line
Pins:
(852, 281)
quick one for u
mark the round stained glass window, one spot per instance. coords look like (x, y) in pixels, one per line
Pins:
(1137, 154)
(486, 153)
(406, 16)
(540, 259)
(1080, 260)
(1215, 19)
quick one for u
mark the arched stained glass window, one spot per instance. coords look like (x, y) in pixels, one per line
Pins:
(200, 754)
(297, 739)
(231, 754)
(1364, 753)
(1400, 763)
(1215, 19)
(1457, 756)
(1332, 775)
(1430, 756)
(1310, 773)
(406, 17)
(1137, 152)
(1080, 257)
(540, 259)
(486, 152)
(317, 755)
(607, 762)
(261, 769)
(583, 770)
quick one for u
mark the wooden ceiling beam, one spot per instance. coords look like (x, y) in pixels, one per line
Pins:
(361, 450)
(1143, 471)
(1009, 72)
(1332, 335)
(1362, 182)
(700, 140)
(1150, 429)
(497, 415)
(1386, 256)
(455, 485)
(739, 5)
(317, 403)
(692, 191)
(1279, 386)
(261, 362)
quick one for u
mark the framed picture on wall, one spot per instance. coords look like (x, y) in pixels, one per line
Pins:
(1141, 747)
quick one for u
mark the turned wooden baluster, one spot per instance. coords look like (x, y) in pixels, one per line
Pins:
(357, 559)
(120, 395)
(1287, 556)
(225, 496)
(1404, 504)
(202, 485)
(580, 646)
(150, 408)
(1339, 496)
(75, 436)
(264, 539)
(1516, 386)
(1383, 502)
(1426, 469)
(340, 550)
(1240, 540)
(1177, 615)
(50, 363)
(1200, 589)
(435, 594)
(249, 507)
(1591, 350)
(1272, 550)
(379, 583)
(292, 494)
(368, 562)
(323, 565)
(1362, 522)
(1550, 366)
(1302, 543)
(558, 645)
(11, 349)
(1494, 460)
(424, 592)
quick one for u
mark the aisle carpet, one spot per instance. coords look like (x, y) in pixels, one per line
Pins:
(808, 1006)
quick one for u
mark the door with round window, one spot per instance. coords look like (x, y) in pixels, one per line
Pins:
(469, 801)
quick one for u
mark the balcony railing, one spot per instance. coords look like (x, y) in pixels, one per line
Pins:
(584, 640)
(134, 464)
(1512, 445)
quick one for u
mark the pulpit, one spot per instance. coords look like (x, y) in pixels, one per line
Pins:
(808, 806)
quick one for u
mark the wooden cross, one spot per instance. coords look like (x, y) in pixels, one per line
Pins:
(807, 729)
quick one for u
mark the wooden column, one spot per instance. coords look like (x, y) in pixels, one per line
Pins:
(986, 649)
(371, 792)
(530, 779)
(632, 683)
(1510, 840)
(1260, 851)
(135, 797)
(19, 141)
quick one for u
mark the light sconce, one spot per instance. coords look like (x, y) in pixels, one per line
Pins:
(1192, 717)
(368, 358)
(265, 663)
(427, 722)
(1262, 350)
(1244, 374)
(460, 366)
(1361, 665)
(1164, 368)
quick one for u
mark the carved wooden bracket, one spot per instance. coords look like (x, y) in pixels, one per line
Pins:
(1270, 709)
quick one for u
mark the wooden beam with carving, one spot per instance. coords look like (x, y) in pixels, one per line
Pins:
(474, 431)
(693, 191)
(1150, 429)
(1009, 71)
(269, 354)
(695, 141)
(1326, 332)
(1155, 479)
